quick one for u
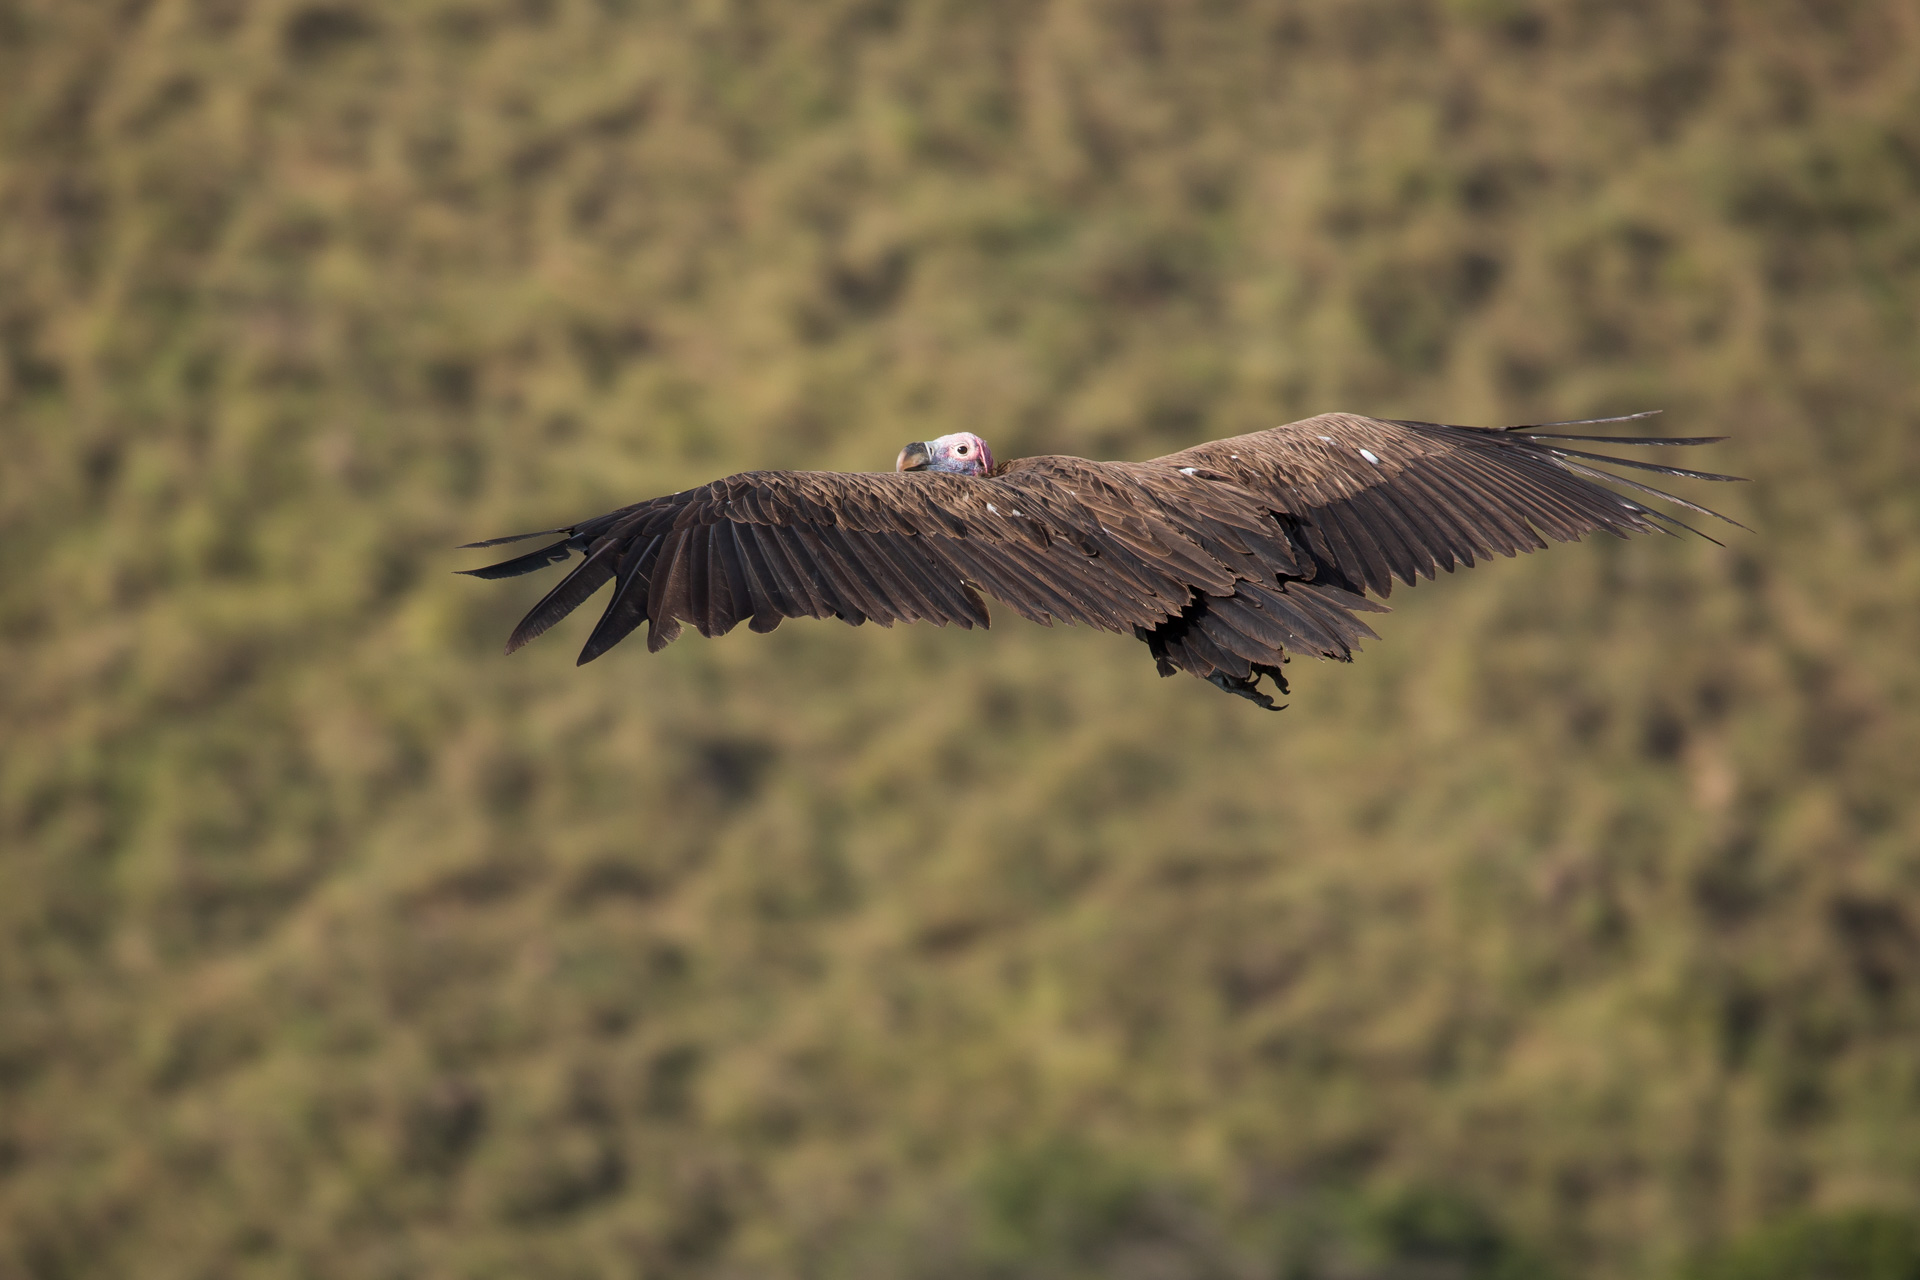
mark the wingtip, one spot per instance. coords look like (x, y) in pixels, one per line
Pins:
(512, 537)
(1591, 422)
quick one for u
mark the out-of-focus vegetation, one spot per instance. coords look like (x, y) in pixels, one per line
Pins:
(1863, 1244)
(1572, 932)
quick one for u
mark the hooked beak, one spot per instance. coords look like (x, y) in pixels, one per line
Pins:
(913, 458)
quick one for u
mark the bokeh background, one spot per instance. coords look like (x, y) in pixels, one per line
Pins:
(1572, 932)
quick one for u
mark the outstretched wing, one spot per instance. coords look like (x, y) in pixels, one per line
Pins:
(1368, 500)
(1115, 545)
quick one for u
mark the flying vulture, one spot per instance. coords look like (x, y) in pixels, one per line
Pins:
(1224, 558)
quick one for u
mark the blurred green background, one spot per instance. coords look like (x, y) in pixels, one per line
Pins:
(1572, 932)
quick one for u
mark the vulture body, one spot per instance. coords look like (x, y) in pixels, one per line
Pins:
(1224, 558)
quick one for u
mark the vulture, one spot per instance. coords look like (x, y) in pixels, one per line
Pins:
(1224, 558)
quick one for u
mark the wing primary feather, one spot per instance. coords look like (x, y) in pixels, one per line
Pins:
(1034, 599)
(822, 587)
(1464, 541)
(1341, 553)
(626, 610)
(1636, 441)
(1090, 597)
(1000, 582)
(698, 580)
(552, 553)
(965, 602)
(1544, 499)
(1426, 537)
(922, 586)
(1666, 519)
(1557, 488)
(1126, 569)
(843, 581)
(793, 584)
(854, 559)
(1367, 563)
(1087, 598)
(1528, 495)
(1367, 538)
(512, 537)
(667, 591)
(1388, 526)
(1588, 422)
(768, 604)
(1500, 508)
(729, 587)
(1638, 465)
(587, 577)
(1524, 426)
(661, 632)
(857, 552)
(1594, 473)
(1440, 537)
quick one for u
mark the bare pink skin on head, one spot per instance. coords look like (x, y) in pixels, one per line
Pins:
(960, 454)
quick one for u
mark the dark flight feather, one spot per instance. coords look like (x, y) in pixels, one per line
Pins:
(627, 609)
(553, 553)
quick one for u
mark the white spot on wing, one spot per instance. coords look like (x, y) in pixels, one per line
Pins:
(993, 508)
(1234, 456)
(1328, 439)
(1369, 457)
(1189, 471)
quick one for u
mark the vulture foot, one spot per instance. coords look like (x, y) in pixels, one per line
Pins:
(1250, 689)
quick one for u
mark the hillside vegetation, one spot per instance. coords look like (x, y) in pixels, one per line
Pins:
(1572, 931)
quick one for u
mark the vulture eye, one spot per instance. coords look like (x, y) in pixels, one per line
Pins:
(962, 450)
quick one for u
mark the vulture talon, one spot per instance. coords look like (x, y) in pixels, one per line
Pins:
(1231, 555)
(1248, 689)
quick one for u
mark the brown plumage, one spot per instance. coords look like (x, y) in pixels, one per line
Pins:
(1223, 558)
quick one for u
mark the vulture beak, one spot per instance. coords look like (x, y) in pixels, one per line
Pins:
(913, 458)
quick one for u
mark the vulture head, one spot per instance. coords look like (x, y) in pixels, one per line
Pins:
(961, 454)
